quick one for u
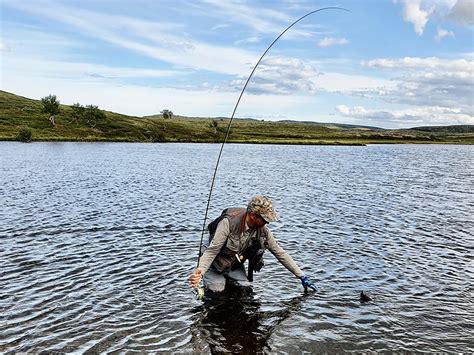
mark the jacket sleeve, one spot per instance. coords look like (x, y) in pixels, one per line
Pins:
(219, 240)
(283, 257)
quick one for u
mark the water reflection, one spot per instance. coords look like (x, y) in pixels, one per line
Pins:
(234, 321)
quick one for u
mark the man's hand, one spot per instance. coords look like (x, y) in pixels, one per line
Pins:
(196, 277)
(306, 282)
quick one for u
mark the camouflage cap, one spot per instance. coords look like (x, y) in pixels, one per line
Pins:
(263, 206)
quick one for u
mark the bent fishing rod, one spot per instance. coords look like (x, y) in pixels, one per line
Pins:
(235, 109)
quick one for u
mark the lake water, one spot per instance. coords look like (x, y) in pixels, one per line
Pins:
(98, 241)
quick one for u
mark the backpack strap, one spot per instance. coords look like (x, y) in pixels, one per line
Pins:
(212, 227)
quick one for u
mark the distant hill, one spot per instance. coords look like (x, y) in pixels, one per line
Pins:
(334, 125)
(446, 129)
(20, 114)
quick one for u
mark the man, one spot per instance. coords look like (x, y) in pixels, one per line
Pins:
(241, 235)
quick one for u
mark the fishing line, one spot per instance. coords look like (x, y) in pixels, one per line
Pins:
(233, 113)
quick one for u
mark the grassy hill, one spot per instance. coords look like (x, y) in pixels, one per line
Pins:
(446, 129)
(17, 112)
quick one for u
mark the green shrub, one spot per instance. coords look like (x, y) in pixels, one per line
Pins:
(77, 112)
(92, 114)
(155, 134)
(24, 135)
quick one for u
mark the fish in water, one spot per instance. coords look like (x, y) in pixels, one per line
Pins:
(364, 298)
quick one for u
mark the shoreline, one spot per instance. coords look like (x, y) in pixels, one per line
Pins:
(361, 143)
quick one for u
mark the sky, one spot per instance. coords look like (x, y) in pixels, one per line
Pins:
(384, 63)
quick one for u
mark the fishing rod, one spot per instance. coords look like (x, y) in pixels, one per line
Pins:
(200, 291)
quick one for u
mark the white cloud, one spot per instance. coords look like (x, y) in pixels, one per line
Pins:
(258, 18)
(219, 26)
(252, 39)
(415, 63)
(244, 13)
(413, 13)
(279, 75)
(463, 12)
(39, 67)
(429, 115)
(428, 81)
(440, 90)
(201, 56)
(329, 41)
(442, 33)
(346, 83)
(289, 76)
(155, 40)
(419, 12)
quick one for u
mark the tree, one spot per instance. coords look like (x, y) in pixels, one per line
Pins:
(77, 112)
(167, 114)
(92, 114)
(51, 107)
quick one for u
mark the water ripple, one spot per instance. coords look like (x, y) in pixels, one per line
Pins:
(98, 241)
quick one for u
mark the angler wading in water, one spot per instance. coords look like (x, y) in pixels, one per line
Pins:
(241, 234)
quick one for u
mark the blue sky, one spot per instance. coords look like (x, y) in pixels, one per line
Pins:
(386, 63)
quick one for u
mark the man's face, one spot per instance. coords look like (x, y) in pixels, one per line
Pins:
(255, 221)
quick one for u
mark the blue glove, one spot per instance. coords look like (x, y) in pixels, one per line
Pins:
(306, 282)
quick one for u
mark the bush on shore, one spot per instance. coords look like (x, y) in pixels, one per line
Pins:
(24, 135)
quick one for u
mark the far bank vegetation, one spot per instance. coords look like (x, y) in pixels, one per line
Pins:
(47, 119)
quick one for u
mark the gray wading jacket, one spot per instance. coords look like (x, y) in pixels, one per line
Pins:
(229, 241)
